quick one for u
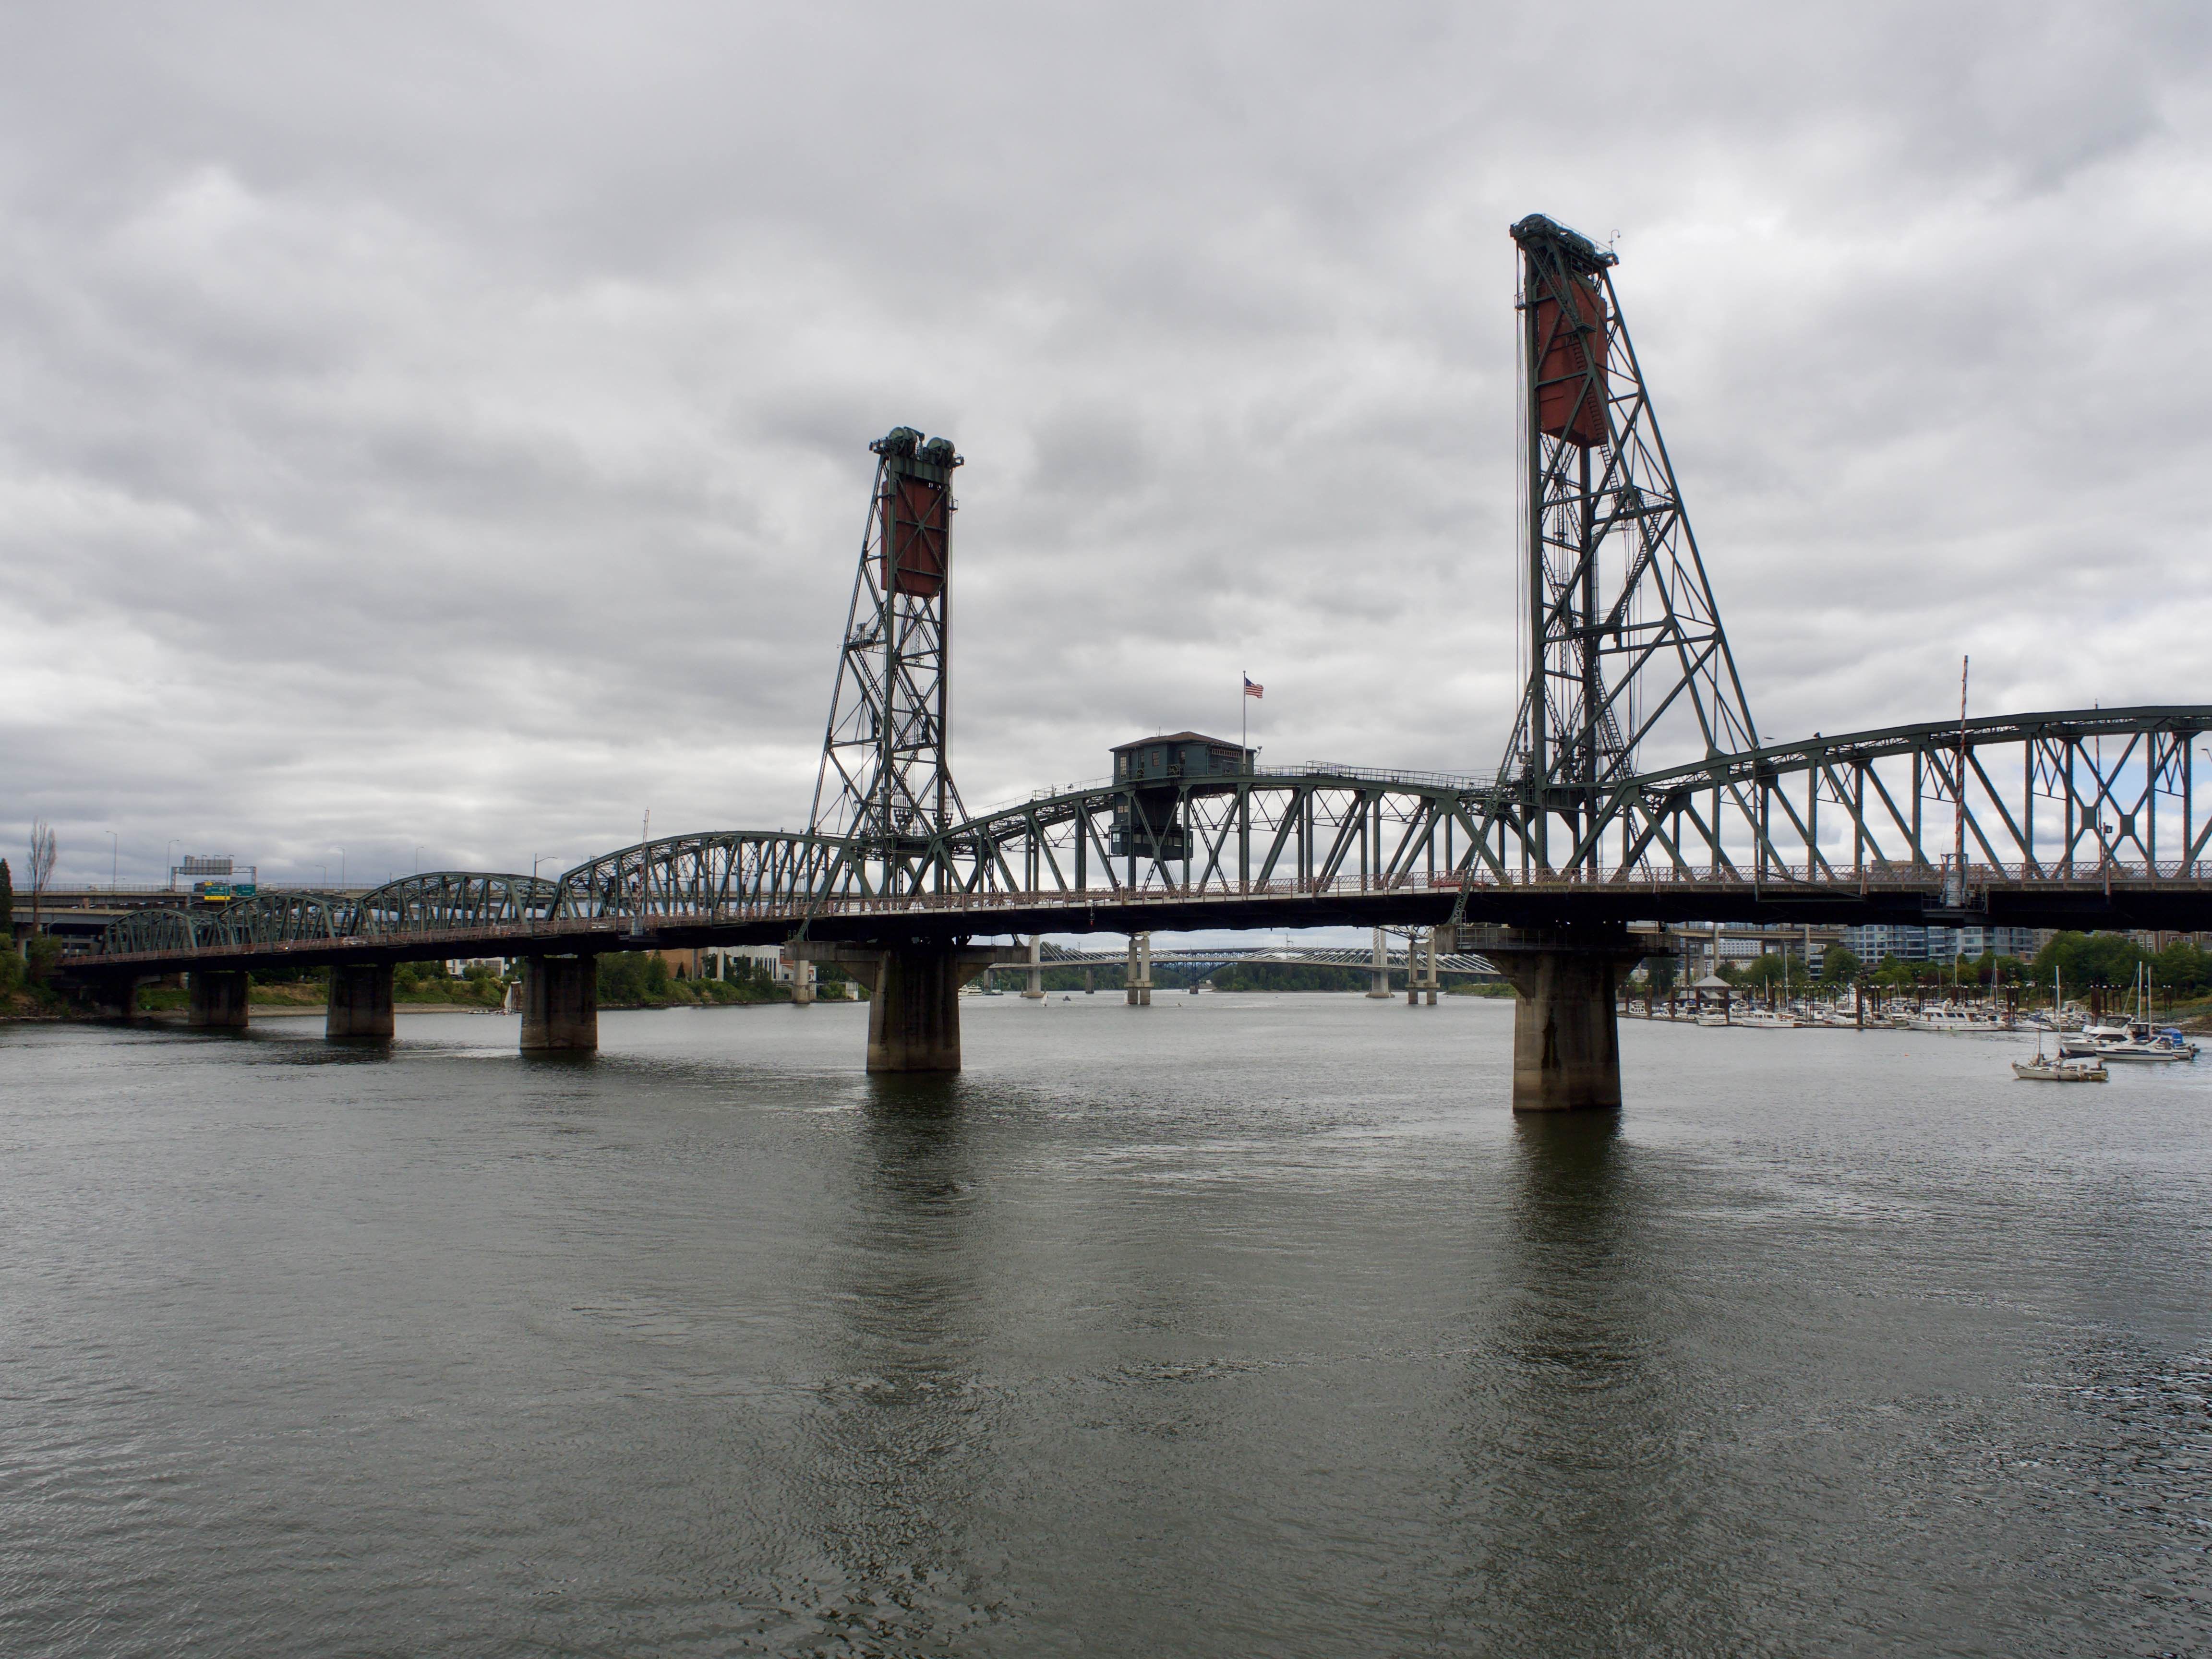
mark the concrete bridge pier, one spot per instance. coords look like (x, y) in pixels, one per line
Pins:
(1421, 969)
(1378, 975)
(1140, 974)
(218, 998)
(914, 995)
(113, 996)
(359, 1003)
(913, 1010)
(561, 1004)
(1566, 1036)
(1035, 990)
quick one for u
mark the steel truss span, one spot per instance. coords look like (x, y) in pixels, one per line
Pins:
(2075, 796)
(2089, 815)
(726, 876)
(438, 902)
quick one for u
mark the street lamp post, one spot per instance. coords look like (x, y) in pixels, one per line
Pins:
(169, 858)
(114, 862)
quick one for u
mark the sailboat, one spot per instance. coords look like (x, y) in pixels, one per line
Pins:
(2137, 1040)
(2057, 1068)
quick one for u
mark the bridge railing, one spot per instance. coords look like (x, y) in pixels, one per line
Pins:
(170, 934)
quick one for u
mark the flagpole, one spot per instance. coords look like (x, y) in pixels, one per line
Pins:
(1245, 720)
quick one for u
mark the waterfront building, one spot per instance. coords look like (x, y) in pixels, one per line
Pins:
(1874, 942)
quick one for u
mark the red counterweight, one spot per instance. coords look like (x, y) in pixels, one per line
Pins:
(1571, 366)
(917, 531)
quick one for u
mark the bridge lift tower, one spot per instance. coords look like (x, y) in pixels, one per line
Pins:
(886, 778)
(1625, 642)
(1625, 646)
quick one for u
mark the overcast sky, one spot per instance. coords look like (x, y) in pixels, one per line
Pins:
(447, 426)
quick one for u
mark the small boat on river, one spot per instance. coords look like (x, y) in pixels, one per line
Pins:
(2057, 1068)
(2044, 1069)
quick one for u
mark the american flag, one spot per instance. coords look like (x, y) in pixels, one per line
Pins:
(1252, 690)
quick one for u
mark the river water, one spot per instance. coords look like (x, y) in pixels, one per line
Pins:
(1241, 1325)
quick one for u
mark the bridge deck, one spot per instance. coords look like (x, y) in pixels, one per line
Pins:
(2120, 897)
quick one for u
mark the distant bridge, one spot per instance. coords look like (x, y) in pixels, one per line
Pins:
(1396, 960)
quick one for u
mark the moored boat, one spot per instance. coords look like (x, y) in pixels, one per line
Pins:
(1955, 1020)
(2043, 1070)
(1765, 1019)
(2057, 1068)
(2135, 1041)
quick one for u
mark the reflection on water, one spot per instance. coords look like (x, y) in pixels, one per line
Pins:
(1239, 1325)
(1568, 1323)
(1572, 1443)
(899, 1454)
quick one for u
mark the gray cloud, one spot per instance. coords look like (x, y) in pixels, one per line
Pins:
(447, 426)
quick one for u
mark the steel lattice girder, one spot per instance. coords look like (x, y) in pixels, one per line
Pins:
(2022, 797)
(1240, 834)
(444, 899)
(726, 874)
(441, 899)
(2070, 801)
(2036, 790)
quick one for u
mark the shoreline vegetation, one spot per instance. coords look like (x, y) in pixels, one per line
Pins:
(627, 980)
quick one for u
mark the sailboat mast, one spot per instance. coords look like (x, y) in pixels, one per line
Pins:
(1959, 789)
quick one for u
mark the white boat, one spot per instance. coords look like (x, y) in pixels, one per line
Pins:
(2044, 1070)
(1711, 1017)
(1765, 1019)
(2057, 1068)
(2135, 1041)
(2153, 1050)
(2086, 1040)
(1954, 1020)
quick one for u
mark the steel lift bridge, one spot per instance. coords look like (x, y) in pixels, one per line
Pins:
(1636, 787)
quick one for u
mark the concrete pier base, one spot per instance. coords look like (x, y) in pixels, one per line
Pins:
(1566, 1036)
(218, 998)
(1378, 975)
(1139, 976)
(1035, 989)
(360, 1003)
(914, 1011)
(560, 1004)
(113, 996)
(914, 995)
